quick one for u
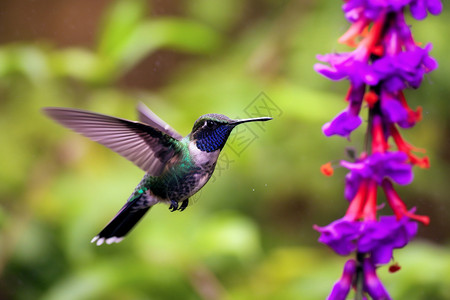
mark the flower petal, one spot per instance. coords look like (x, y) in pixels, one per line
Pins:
(343, 124)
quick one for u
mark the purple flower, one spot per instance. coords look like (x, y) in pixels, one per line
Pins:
(377, 167)
(343, 124)
(386, 61)
(348, 120)
(377, 238)
(342, 286)
(392, 109)
(352, 65)
(406, 69)
(372, 284)
(397, 35)
(382, 237)
(419, 8)
(341, 235)
(371, 9)
(397, 111)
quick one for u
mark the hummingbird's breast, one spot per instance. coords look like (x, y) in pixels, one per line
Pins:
(202, 158)
(184, 174)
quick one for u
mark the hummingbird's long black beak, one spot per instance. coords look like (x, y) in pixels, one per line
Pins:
(240, 121)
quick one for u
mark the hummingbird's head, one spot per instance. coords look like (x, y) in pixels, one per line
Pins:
(211, 131)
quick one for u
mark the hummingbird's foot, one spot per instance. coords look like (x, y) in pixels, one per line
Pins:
(184, 204)
(173, 205)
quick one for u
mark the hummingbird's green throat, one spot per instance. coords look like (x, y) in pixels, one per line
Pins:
(176, 167)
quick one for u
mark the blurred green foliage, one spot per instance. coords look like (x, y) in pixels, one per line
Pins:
(248, 234)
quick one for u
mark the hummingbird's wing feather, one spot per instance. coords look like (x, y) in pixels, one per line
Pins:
(145, 146)
(147, 116)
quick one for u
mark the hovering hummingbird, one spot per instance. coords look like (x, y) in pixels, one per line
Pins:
(176, 167)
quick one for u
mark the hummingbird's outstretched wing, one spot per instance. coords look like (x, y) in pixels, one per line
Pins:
(146, 146)
(147, 116)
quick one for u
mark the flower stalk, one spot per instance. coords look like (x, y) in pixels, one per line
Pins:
(386, 61)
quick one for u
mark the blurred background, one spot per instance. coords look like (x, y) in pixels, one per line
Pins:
(248, 234)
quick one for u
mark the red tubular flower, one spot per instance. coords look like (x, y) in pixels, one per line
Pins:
(353, 32)
(379, 144)
(407, 148)
(397, 205)
(371, 41)
(354, 211)
(370, 208)
(413, 116)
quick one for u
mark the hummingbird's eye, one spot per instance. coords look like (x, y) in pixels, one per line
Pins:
(209, 123)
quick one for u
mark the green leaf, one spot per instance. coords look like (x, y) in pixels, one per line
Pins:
(183, 35)
(149, 36)
(120, 20)
(229, 233)
(75, 62)
(28, 60)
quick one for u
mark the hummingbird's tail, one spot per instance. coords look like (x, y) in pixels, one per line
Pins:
(127, 217)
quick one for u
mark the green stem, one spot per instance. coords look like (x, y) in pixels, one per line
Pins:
(359, 277)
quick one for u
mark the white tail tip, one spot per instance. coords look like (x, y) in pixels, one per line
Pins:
(99, 241)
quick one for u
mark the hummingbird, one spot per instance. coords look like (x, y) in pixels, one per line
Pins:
(176, 167)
